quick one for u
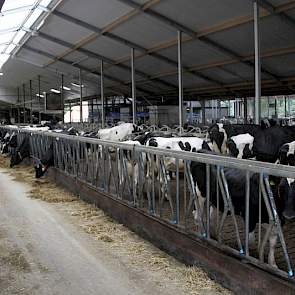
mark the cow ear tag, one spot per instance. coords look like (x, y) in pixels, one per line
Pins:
(272, 183)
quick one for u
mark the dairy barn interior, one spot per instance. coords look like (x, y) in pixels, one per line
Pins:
(147, 146)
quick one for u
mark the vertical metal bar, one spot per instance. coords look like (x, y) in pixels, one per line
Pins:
(39, 92)
(276, 109)
(203, 104)
(70, 105)
(245, 110)
(24, 97)
(177, 192)
(285, 101)
(180, 80)
(81, 96)
(247, 213)
(268, 106)
(257, 63)
(208, 183)
(31, 97)
(18, 105)
(92, 112)
(62, 102)
(102, 95)
(133, 87)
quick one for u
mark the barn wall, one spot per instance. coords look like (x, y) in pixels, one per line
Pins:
(8, 95)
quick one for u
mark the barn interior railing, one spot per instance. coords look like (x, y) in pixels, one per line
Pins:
(164, 188)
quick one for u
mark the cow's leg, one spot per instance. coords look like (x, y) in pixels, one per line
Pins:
(272, 245)
(199, 208)
(252, 238)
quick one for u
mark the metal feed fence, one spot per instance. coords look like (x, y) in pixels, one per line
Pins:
(160, 183)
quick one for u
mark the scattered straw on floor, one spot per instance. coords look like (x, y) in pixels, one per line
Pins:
(136, 252)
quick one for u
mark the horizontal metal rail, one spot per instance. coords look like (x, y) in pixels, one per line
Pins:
(160, 182)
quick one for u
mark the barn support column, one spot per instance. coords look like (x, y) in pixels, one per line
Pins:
(24, 96)
(31, 97)
(18, 105)
(70, 105)
(257, 99)
(133, 87)
(203, 104)
(92, 112)
(180, 79)
(81, 96)
(102, 95)
(39, 92)
(286, 112)
(62, 101)
(245, 110)
(276, 109)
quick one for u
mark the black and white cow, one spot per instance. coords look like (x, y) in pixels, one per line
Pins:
(267, 141)
(42, 165)
(21, 152)
(236, 180)
(117, 133)
(10, 143)
(287, 154)
(240, 146)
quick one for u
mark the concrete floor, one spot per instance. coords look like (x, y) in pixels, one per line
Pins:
(43, 252)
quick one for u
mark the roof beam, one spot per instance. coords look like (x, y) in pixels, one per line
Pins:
(68, 62)
(130, 44)
(272, 10)
(100, 57)
(193, 34)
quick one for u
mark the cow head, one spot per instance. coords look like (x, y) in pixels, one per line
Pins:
(286, 193)
(287, 154)
(16, 158)
(218, 137)
(38, 169)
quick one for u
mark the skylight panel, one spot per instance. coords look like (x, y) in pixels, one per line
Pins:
(18, 17)
(13, 4)
(33, 18)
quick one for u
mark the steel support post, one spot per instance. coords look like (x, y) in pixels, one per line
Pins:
(81, 96)
(180, 79)
(62, 101)
(70, 105)
(203, 105)
(24, 97)
(245, 110)
(133, 87)
(39, 92)
(18, 105)
(102, 95)
(31, 97)
(257, 63)
(92, 112)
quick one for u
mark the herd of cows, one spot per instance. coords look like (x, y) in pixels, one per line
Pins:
(266, 142)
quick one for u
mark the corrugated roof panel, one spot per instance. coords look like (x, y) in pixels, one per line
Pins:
(197, 14)
(36, 59)
(283, 65)
(145, 31)
(47, 46)
(96, 12)
(151, 65)
(108, 48)
(64, 30)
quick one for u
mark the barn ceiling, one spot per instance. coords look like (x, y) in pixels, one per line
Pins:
(218, 47)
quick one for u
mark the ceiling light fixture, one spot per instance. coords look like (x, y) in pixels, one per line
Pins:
(77, 85)
(66, 88)
(54, 90)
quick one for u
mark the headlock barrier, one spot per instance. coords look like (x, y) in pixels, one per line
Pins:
(161, 183)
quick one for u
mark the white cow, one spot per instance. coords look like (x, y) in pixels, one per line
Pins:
(117, 133)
